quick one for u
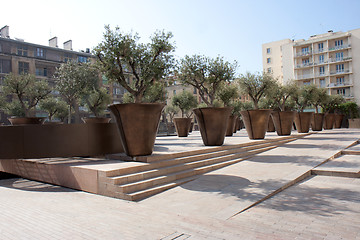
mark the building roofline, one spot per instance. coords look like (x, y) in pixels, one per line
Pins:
(46, 47)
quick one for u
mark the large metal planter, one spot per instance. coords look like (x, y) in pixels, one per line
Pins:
(283, 122)
(338, 120)
(138, 124)
(182, 126)
(26, 120)
(212, 124)
(256, 122)
(317, 121)
(271, 126)
(329, 120)
(231, 126)
(303, 121)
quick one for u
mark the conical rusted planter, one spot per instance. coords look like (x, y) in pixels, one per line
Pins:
(283, 122)
(182, 126)
(236, 124)
(138, 124)
(338, 120)
(329, 120)
(256, 122)
(231, 126)
(317, 121)
(271, 126)
(303, 121)
(96, 119)
(212, 124)
(191, 127)
(26, 120)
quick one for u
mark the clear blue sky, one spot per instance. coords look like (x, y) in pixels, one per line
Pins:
(230, 28)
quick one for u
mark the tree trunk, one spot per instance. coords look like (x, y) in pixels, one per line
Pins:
(69, 115)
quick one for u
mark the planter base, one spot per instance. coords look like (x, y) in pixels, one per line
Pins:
(317, 121)
(26, 120)
(182, 126)
(303, 121)
(283, 122)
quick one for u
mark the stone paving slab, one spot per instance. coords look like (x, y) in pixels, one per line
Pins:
(318, 208)
(345, 163)
(236, 187)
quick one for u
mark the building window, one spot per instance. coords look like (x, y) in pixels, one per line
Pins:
(340, 68)
(67, 58)
(22, 51)
(82, 59)
(40, 52)
(305, 50)
(174, 92)
(338, 43)
(307, 83)
(321, 47)
(268, 60)
(305, 62)
(269, 70)
(341, 91)
(321, 58)
(5, 66)
(41, 72)
(339, 56)
(340, 81)
(0, 48)
(322, 70)
(322, 83)
(194, 92)
(23, 67)
(268, 50)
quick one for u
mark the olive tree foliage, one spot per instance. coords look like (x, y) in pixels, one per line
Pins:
(331, 103)
(74, 80)
(97, 101)
(281, 95)
(27, 93)
(154, 93)
(302, 96)
(227, 94)
(256, 86)
(185, 101)
(206, 75)
(319, 98)
(171, 111)
(121, 55)
(53, 106)
(350, 109)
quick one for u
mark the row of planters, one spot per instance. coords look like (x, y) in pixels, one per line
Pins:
(120, 54)
(76, 84)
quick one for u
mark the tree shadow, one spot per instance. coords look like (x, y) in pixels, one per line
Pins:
(304, 160)
(32, 186)
(315, 200)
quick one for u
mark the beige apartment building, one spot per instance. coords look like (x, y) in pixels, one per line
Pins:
(330, 60)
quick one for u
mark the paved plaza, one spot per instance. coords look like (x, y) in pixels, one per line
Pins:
(304, 189)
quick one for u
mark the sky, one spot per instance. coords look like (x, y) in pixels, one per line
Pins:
(234, 29)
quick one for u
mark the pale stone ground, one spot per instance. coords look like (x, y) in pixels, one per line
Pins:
(319, 207)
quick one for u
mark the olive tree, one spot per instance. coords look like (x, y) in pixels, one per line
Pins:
(97, 100)
(255, 86)
(227, 94)
(26, 91)
(53, 106)
(185, 101)
(121, 55)
(206, 75)
(281, 95)
(302, 96)
(73, 80)
(171, 111)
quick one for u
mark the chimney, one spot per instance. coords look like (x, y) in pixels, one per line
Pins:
(53, 42)
(4, 32)
(68, 45)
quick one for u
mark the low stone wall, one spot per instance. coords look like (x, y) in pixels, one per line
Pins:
(66, 140)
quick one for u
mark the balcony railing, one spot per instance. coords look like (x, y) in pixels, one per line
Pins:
(300, 54)
(305, 76)
(303, 65)
(338, 85)
(340, 47)
(332, 60)
(340, 72)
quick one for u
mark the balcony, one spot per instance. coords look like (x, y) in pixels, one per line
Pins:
(340, 47)
(301, 54)
(339, 85)
(335, 60)
(346, 71)
(305, 76)
(304, 65)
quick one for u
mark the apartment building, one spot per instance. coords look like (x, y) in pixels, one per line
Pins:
(18, 56)
(330, 60)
